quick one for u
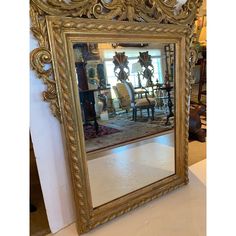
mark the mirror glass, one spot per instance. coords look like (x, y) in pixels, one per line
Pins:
(127, 93)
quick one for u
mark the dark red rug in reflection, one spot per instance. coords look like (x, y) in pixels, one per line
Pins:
(89, 131)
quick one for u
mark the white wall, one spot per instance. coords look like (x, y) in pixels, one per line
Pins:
(49, 152)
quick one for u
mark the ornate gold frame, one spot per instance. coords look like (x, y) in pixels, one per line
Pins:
(56, 25)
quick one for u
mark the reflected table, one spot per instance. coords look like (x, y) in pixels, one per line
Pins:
(168, 89)
(87, 102)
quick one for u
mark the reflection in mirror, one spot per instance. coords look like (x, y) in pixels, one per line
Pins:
(126, 95)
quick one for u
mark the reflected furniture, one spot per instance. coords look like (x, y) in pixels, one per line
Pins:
(152, 88)
(81, 75)
(86, 94)
(122, 94)
(140, 92)
(170, 61)
(202, 80)
(161, 97)
(140, 103)
(168, 89)
(87, 102)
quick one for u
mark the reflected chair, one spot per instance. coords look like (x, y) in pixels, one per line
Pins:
(161, 99)
(140, 103)
(123, 96)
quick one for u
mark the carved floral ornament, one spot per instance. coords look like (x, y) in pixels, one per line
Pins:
(175, 12)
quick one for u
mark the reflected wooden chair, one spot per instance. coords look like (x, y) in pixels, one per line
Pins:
(147, 103)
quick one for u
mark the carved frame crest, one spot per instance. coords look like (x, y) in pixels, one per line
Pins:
(53, 22)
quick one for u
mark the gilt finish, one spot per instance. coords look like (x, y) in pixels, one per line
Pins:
(157, 11)
(53, 23)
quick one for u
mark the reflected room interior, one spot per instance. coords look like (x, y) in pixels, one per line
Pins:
(127, 104)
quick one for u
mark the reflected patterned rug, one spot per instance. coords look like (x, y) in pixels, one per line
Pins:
(89, 131)
(128, 130)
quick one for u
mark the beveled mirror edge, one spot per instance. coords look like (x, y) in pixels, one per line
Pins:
(89, 218)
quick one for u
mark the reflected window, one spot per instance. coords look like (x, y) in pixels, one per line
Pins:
(133, 59)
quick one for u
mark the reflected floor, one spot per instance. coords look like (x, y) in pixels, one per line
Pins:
(125, 169)
(125, 130)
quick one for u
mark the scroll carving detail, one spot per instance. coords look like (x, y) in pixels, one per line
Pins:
(41, 56)
(157, 11)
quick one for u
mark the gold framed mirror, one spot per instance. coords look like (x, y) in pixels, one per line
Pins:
(121, 155)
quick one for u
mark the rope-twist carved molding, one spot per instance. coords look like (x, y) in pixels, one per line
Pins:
(69, 126)
(134, 206)
(187, 94)
(105, 27)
